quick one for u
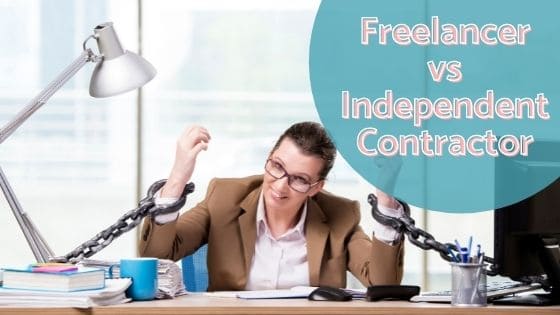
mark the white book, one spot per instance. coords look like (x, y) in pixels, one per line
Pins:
(76, 280)
(295, 292)
(113, 293)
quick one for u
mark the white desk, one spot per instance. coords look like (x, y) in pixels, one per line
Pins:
(204, 305)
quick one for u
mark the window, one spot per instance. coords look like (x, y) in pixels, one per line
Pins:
(240, 68)
(72, 163)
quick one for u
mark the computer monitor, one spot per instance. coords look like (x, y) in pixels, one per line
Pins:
(527, 233)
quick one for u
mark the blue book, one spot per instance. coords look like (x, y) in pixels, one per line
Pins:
(83, 278)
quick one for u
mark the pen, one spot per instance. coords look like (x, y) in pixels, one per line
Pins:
(450, 251)
(469, 247)
(458, 246)
(463, 254)
(477, 277)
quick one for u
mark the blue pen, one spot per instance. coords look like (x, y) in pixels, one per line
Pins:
(452, 255)
(469, 248)
(458, 246)
(477, 251)
(463, 255)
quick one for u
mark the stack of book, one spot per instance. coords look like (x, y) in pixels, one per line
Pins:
(55, 277)
(62, 285)
(112, 293)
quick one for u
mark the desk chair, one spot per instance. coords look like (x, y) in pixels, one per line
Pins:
(195, 271)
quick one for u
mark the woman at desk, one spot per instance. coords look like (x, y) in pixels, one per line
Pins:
(275, 230)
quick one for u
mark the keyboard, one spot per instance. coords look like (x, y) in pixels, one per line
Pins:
(494, 290)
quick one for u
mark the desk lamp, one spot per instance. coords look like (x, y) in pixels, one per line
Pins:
(117, 71)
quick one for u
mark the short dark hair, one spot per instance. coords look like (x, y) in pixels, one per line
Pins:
(312, 139)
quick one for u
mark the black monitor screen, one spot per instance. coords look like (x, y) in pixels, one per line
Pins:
(527, 233)
(518, 229)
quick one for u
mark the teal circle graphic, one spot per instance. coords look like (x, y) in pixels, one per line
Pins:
(449, 105)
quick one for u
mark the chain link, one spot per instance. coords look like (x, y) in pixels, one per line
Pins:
(419, 237)
(127, 222)
(147, 206)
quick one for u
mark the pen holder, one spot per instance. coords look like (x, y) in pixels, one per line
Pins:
(468, 284)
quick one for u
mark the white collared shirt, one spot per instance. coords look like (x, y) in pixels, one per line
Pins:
(278, 263)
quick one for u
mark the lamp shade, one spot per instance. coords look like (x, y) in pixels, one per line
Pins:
(119, 71)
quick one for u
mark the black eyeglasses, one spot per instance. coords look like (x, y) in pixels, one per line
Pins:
(296, 182)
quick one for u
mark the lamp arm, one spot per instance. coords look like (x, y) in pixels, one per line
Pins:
(41, 98)
(37, 243)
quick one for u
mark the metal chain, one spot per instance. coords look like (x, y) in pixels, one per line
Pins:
(419, 237)
(126, 223)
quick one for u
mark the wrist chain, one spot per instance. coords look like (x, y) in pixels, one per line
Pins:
(419, 237)
(126, 223)
(426, 241)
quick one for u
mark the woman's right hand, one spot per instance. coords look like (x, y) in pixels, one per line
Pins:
(193, 140)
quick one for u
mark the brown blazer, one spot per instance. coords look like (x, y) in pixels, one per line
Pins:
(226, 220)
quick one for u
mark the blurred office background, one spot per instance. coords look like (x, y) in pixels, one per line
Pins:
(240, 68)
